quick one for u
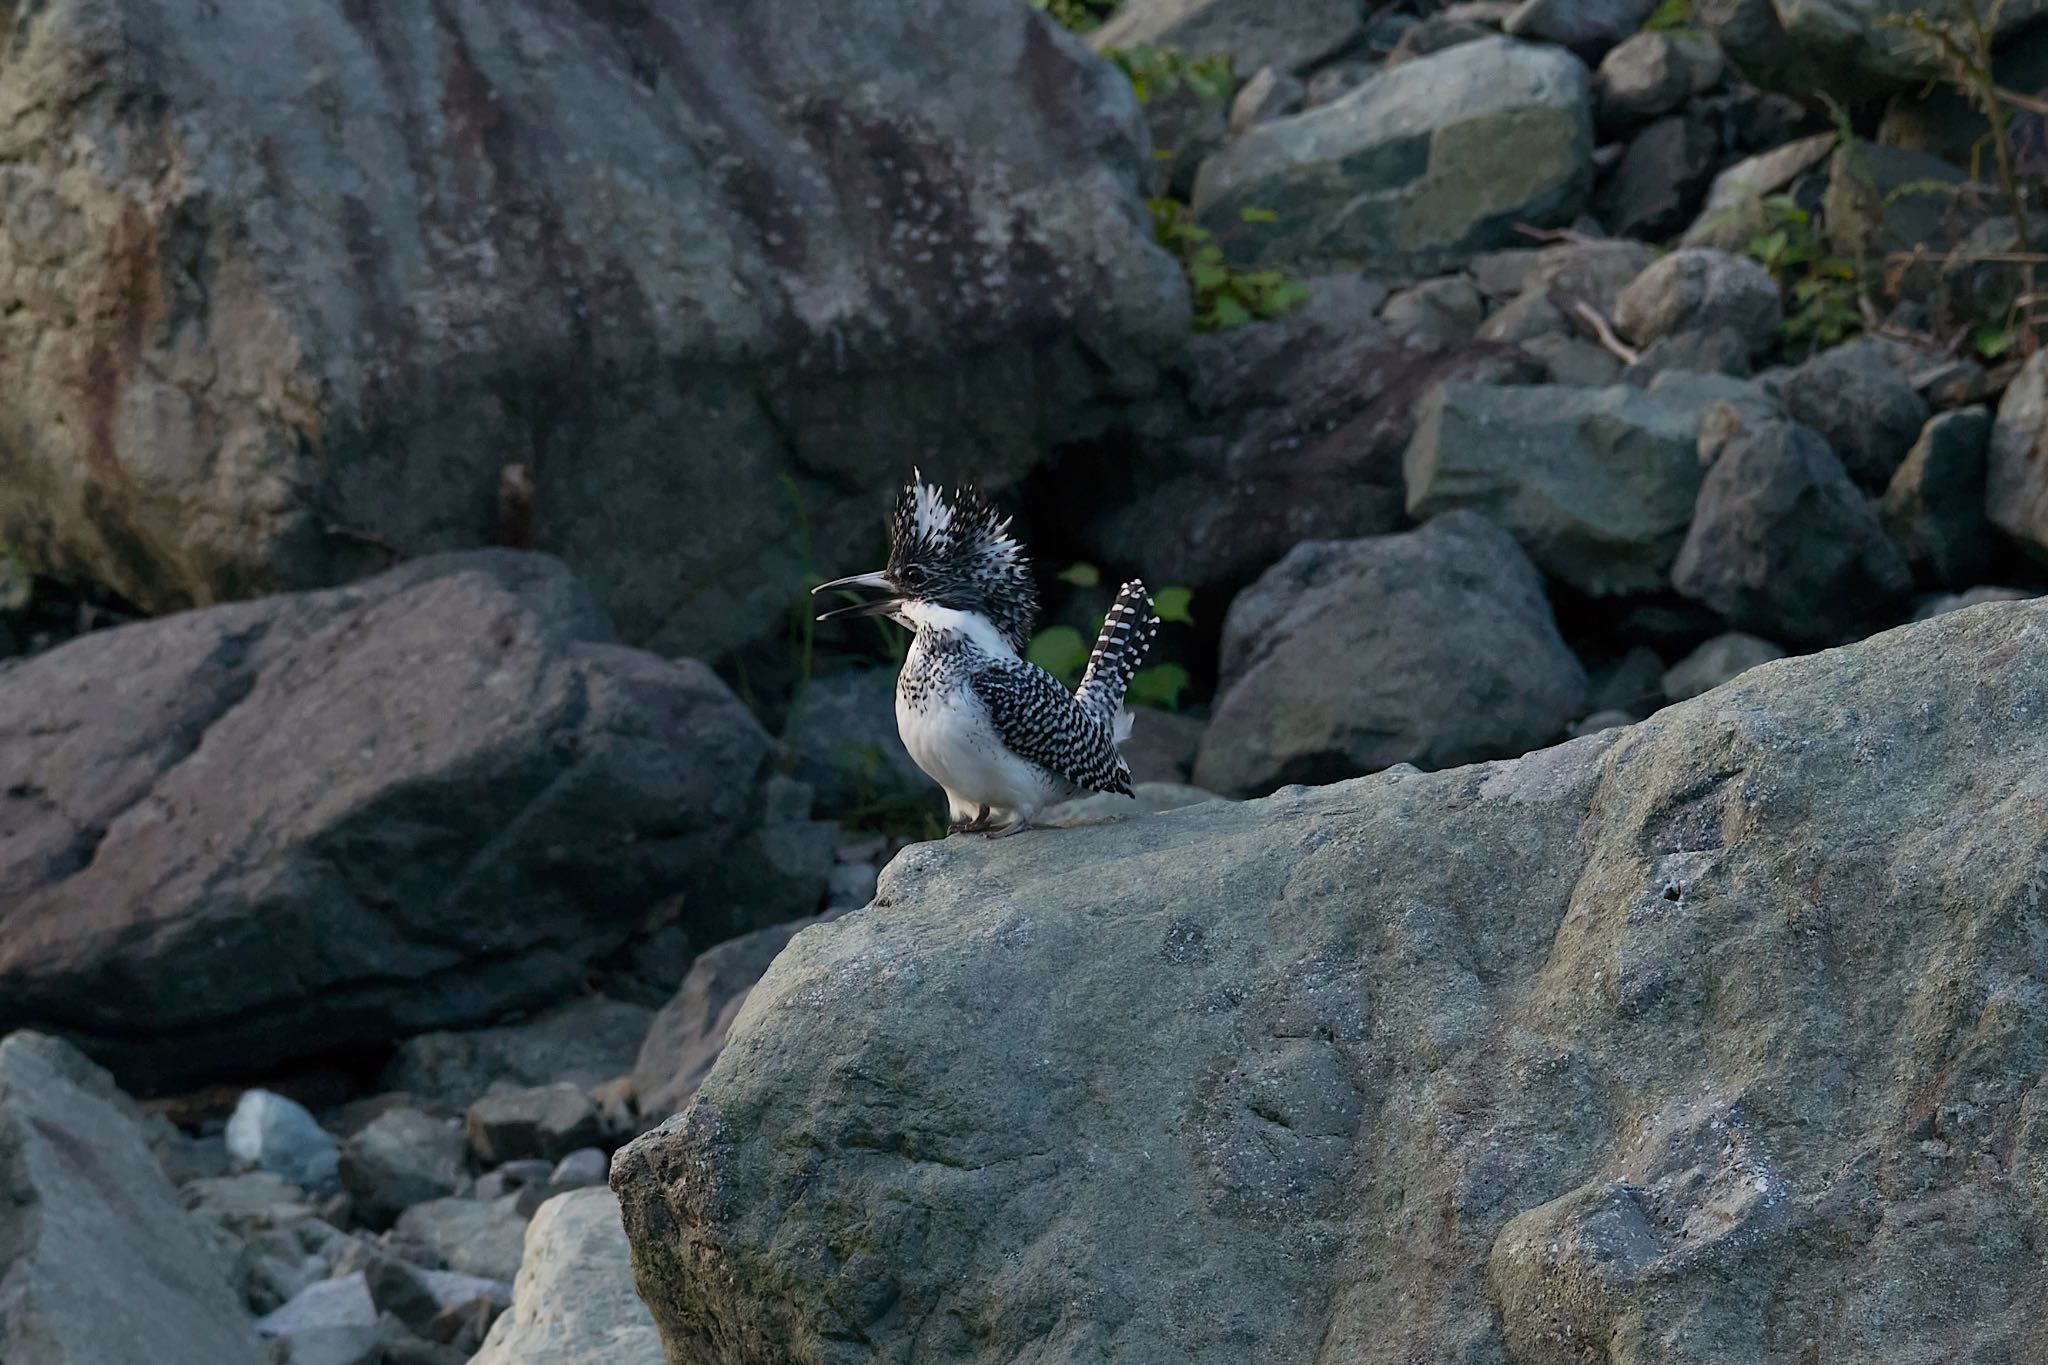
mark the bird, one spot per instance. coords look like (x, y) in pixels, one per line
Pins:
(1002, 736)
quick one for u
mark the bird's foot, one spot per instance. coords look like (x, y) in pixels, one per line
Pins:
(1017, 826)
(974, 826)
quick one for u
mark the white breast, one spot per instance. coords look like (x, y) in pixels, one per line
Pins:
(950, 736)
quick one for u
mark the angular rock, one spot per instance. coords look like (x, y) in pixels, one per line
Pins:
(278, 1135)
(543, 1123)
(1885, 199)
(1850, 49)
(333, 1322)
(1734, 212)
(585, 1042)
(1269, 94)
(1662, 176)
(1593, 272)
(1784, 545)
(1698, 290)
(473, 1236)
(1934, 507)
(1433, 647)
(842, 729)
(349, 816)
(1288, 35)
(1447, 309)
(401, 1158)
(1864, 405)
(242, 354)
(1296, 432)
(1941, 604)
(574, 1302)
(1597, 485)
(1573, 362)
(1418, 169)
(2016, 487)
(583, 1167)
(1434, 34)
(98, 1263)
(1162, 746)
(1147, 798)
(429, 1301)
(689, 1033)
(1705, 1040)
(1719, 660)
(1651, 74)
(1587, 27)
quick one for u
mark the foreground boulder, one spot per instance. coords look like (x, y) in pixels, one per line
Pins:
(247, 349)
(1432, 647)
(573, 1303)
(1712, 1039)
(99, 1263)
(243, 835)
(1419, 168)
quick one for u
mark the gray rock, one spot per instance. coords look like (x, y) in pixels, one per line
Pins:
(1719, 660)
(1434, 647)
(543, 1122)
(512, 1177)
(1886, 199)
(350, 816)
(574, 1302)
(1162, 745)
(1710, 351)
(1784, 545)
(1850, 49)
(333, 1322)
(852, 885)
(1863, 404)
(1331, 83)
(259, 373)
(432, 1302)
(1696, 290)
(1663, 175)
(1524, 318)
(1593, 272)
(583, 1167)
(1634, 683)
(1434, 34)
(584, 1042)
(842, 729)
(1147, 798)
(1574, 362)
(1600, 721)
(2016, 487)
(1271, 93)
(1597, 485)
(245, 1204)
(1734, 212)
(1651, 74)
(690, 1030)
(1416, 170)
(1587, 27)
(471, 1236)
(401, 1158)
(98, 1263)
(1288, 35)
(276, 1134)
(1934, 507)
(1445, 309)
(1941, 604)
(1425, 1065)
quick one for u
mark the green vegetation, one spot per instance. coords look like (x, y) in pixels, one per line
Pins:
(1063, 651)
(1081, 16)
(1821, 289)
(1670, 16)
(1223, 295)
(1155, 72)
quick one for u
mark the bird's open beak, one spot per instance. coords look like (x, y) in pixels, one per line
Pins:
(880, 607)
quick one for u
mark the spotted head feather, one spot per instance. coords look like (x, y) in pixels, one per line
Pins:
(955, 550)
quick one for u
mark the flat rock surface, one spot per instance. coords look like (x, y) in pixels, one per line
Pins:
(1715, 1038)
(573, 1303)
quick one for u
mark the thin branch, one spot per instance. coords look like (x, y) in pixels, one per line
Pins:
(1614, 344)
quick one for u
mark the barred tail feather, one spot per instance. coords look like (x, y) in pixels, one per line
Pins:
(1126, 634)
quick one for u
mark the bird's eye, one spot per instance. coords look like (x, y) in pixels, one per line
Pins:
(913, 576)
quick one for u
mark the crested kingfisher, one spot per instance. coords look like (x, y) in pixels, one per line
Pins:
(999, 733)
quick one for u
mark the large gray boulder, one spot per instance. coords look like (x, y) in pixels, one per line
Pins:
(99, 1263)
(586, 1042)
(1851, 49)
(701, 274)
(1433, 647)
(1933, 509)
(2016, 489)
(270, 829)
(688, 1033)
(573, 1303)
(1287, 35)
(1418, 169)
(1597, 485)
(1712, 1039)
(1862, 403)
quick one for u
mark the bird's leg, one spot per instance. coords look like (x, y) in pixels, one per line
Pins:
(1018, 824)
(960, 823)
(975, 826)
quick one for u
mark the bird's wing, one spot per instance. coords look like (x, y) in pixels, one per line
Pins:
(1040, 721)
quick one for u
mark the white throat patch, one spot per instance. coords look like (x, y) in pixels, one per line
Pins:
(977, 629)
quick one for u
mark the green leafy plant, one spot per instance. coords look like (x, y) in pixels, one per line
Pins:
(1821, 289)
(1081, 16)
(1670, 16)
(1063, 652)
(1155, 72)
(1223, 295)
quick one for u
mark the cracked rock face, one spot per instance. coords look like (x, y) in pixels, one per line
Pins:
(1717, 1038)
(288, 281)
(238, 836)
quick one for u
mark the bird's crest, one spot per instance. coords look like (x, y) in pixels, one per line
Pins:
(965, 556)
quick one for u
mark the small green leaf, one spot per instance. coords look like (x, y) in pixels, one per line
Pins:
(1251, 214)
(1768, 247)
(1171, 604)
(1060, 651)
(1158, 686)
(1992, 341)
(1082, 575)
(1228, 312)
(1208, 275)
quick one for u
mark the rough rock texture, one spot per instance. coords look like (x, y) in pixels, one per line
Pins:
(474, 1236)
(1715, 1039)
(1587, 27)
(1654, 73)
(401, 1158)
(1416, 170)
(1734, 212)
(573, 1303)
(585, 1042)
(1699, 290)
(1851, 49)
(2016, 491)
(1934, 506)
(277, 1134)
(1785, 546)
(1864, 405)
(1432, 647)
(1597, 485)
(240, 835)
(1295, 433)
(1720, 659)
(1663, 175)
(266, 313)
(842, 729)
(542, 1122)
(688, 1033)
(98, 1263)
(1287, 35)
